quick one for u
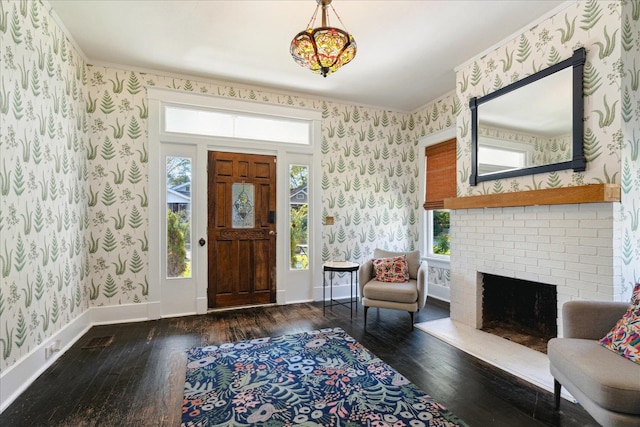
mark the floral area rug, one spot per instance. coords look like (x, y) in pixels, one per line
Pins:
(317, 378)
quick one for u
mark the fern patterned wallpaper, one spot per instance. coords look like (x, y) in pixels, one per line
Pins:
(610, 32)
(73, 176)
(44, 178)
(74, 150)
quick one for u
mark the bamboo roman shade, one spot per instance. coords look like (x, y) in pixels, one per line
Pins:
(441, 174)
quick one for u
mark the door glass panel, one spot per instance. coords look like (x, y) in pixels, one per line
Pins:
(179, 221)
(242, 206)
(299, 215)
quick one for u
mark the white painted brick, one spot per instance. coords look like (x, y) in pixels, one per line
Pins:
(538, 208)
(552, 232)
(551, 263)
(504, 245)
(566, 223)
(595, 223)
(493, 223)
(581, 232)
(532, 277)
(605, 251)
(525, 216)
(606, 213)
(494, 237)
(585, 215)
(518, 268)
(569, 246)
(592, 277)
(581, 250)
(505, 258)
(514, 238)
(566, 291)
(537, 255)
(581, 267)
(538, 270)
(569, 210)
(505, 231)
(517, 224)
(596, 260)
(552, 280)
(538, 223)
(538, 239)
(551, 248)
(566, 241)
(517, 253)
(605, 270)
(604, 233)
(528, 231)
(567, 257)
(529, 246)
(595, 242)
(595, 296)
(605, 289)
(565, 274)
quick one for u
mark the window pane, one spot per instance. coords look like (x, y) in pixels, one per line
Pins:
(440, 227)
(216, 123)
(178, 188)
(299, 215)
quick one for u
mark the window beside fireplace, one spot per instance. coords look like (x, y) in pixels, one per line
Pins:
(519, 310)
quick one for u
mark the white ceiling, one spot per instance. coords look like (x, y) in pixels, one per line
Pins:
(407, 50)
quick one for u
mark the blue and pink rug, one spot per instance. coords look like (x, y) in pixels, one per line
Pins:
(317, 378)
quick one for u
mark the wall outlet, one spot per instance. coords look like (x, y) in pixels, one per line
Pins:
(51, 348)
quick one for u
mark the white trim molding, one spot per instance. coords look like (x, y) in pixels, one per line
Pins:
(15, 380)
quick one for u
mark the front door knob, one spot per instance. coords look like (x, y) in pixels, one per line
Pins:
(272, 233)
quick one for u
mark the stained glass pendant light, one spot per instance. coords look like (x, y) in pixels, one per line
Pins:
(324, 49)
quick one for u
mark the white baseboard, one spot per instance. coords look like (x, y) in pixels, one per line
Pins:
(340, 291)
(440, 292)
(125, 313)
(17, 378)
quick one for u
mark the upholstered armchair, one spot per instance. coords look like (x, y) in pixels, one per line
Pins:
(606, 384)
(409, 296)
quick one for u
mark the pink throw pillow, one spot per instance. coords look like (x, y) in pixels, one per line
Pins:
(394, 270)
(624, 338)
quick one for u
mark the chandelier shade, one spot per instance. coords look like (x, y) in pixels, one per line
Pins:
(324, 49)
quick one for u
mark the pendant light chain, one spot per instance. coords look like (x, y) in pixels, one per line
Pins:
(312, 21)
(338, 16)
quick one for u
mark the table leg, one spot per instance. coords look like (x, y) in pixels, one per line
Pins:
(324, 287)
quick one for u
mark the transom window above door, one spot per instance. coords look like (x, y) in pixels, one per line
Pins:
(199, 121)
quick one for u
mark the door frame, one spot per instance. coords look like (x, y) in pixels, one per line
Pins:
(161, 97)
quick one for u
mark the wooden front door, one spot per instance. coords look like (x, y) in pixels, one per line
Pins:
(241, 229)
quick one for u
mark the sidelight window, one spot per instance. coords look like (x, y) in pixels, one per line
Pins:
(179, 222)
(299, 216)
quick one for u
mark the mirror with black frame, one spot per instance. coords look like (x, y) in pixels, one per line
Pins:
(534, 125)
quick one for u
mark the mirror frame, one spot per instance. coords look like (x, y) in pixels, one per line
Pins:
(578, 162)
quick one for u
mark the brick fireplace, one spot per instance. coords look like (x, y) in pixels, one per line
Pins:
(569, 246)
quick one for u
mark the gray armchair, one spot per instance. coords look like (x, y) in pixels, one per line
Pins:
(410, 296)
(606, 384)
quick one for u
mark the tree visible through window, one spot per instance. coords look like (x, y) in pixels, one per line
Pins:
(178, 188)
(299, 215)
(441, 238)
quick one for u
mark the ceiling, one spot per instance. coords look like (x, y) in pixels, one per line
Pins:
(407, 50)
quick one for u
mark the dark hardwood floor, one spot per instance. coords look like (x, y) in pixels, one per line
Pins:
(138, 379)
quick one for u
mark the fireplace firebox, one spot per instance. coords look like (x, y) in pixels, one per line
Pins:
(519, 310)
